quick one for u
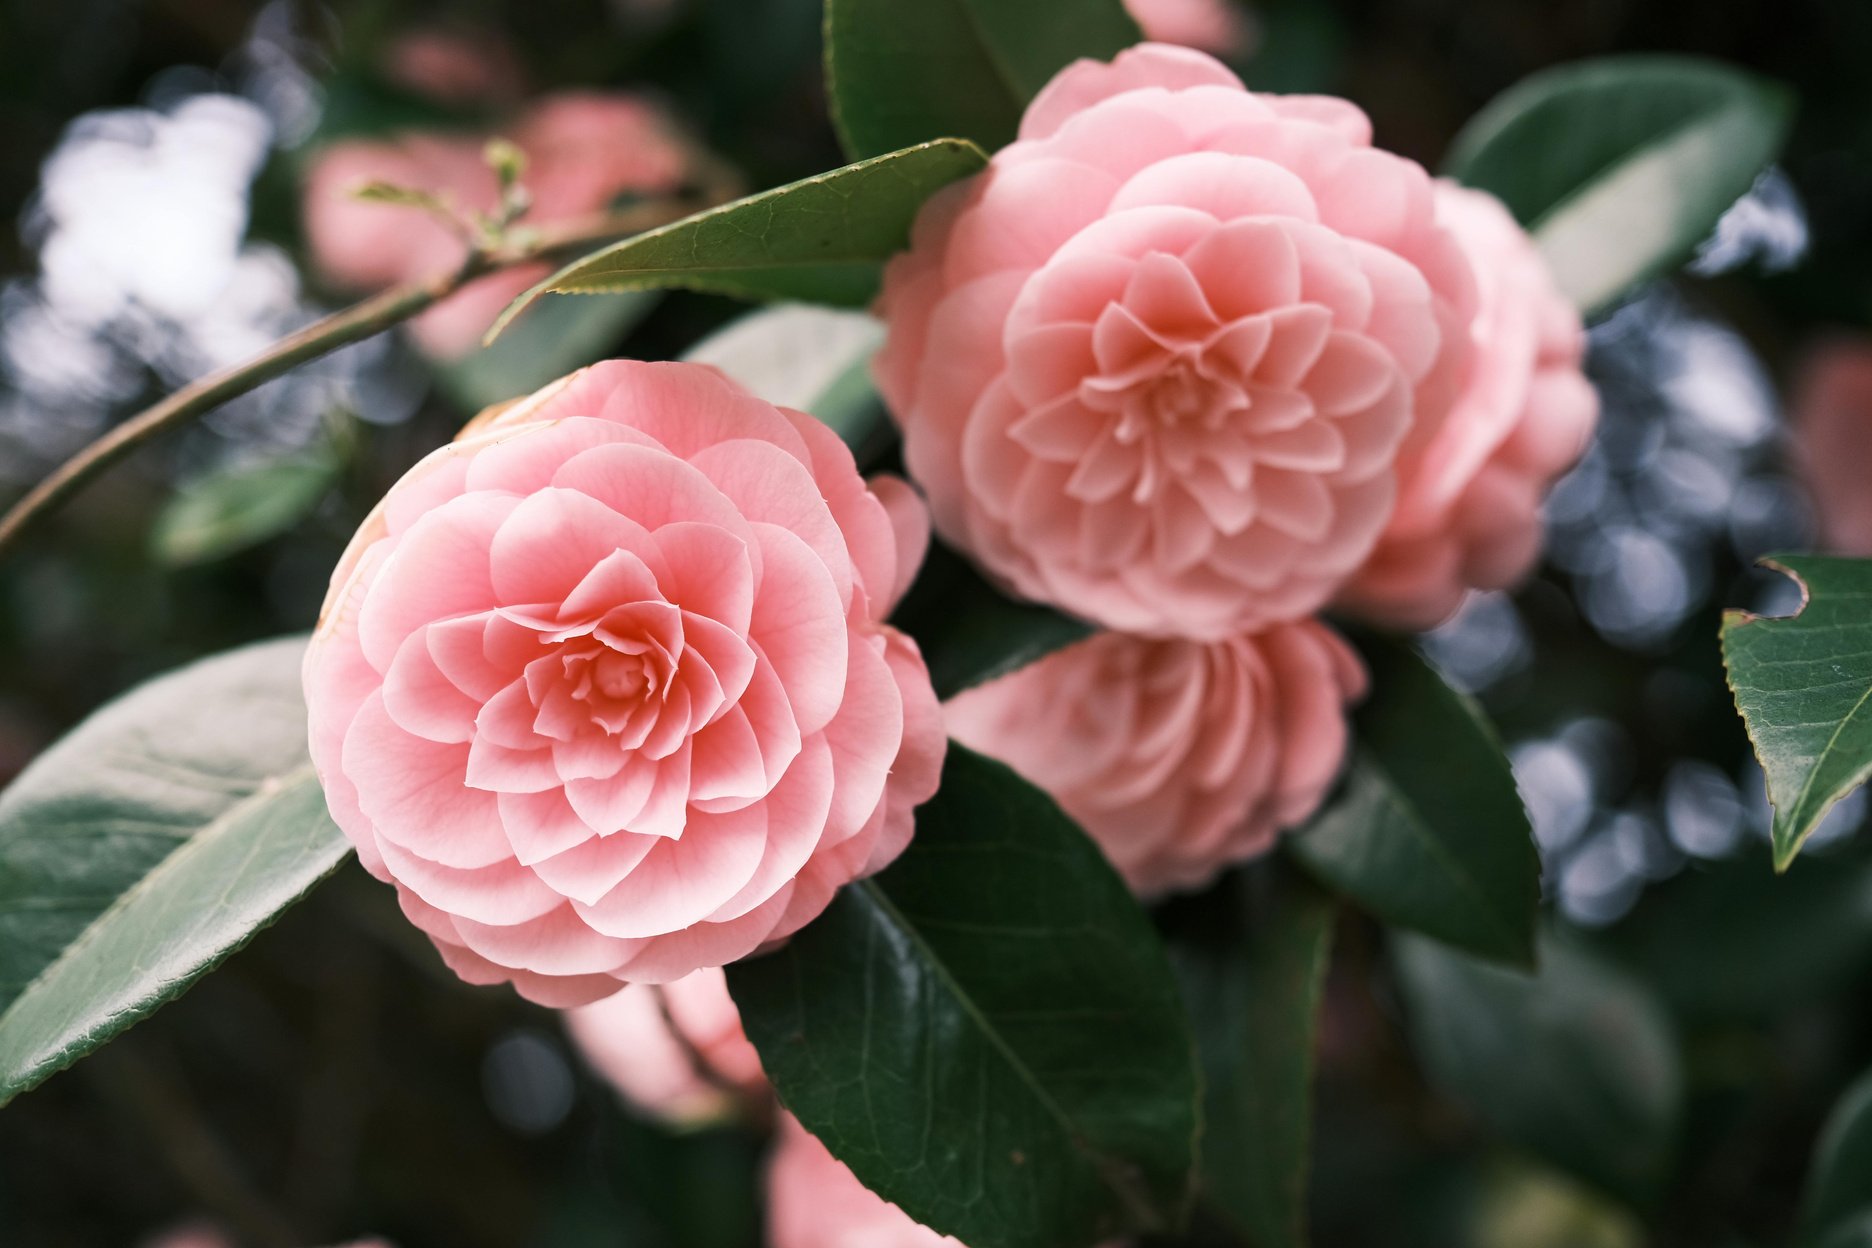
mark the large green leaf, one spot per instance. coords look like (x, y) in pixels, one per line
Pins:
(969, 631)
(1427, 830)
(1621, 166)
(815, 359)
(1839, 1185)
(149, 844)
(1578, 1064)
(1251, 955)
(902, 71)
(821, 240)
(988, 1033)
(233, 509)
(1804, 687)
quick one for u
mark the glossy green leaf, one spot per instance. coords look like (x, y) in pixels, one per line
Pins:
(149, 844)
(1839, 1184)
(1251, 955)
(852, 408)
(553, 339)
(1577, 1065)
(969, 631)
(229, 511)
(1427, 830)
(820, 240)
(988, 1033)
(1621, 166)
(1804, 687)
(903, 71)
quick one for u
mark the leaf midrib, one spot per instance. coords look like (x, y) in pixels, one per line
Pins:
(1101, 1164)
(1420, 826)
(1813, 773)
(1003, 71)
(267, 790)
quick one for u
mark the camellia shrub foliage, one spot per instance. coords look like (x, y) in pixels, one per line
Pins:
(946, 714)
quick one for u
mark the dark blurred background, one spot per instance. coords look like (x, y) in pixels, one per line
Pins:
(333, 1080)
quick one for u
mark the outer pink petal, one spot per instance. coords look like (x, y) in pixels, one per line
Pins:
(1085, 83)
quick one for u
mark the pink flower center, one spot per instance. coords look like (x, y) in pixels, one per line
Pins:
(615, 673)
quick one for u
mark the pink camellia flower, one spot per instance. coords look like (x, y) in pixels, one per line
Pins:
(1157, 363)
(1180, 758)
(1832, 411)
(814, 1201)
(1221, 27)
(604, 688)
(1468, 511)
(584, 150)
(676, 1051)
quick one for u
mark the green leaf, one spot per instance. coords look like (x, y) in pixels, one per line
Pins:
(1732, 942)
(1251, 955)
(1839, 1183)
(1853, 1233)
(1621, 166)
(1578, 1064)
(903, 71)
(1427, 830)
(988, 1032)
(146, 846)
(821, 240)
(817, 360)
(852, 408)
(1804, 687)
(557, 337)
(969, 631)
(228, 511)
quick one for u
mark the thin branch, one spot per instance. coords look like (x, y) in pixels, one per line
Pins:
(360, 321)
(154, 1095)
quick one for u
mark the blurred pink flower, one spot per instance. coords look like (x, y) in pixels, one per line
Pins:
(605, 690)
(189, 1235)
(1180, 758)
(456, 65)
(1832, 429)
(675, 1051)
(584, 151)
(1220, 27)
(1468, 514)
(1156, 364)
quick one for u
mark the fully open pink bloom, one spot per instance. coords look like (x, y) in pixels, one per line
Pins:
(1156, 364)
(1180, 758)
(1832, 410)
(584, 150)
(1468, 509)
(604, 688)
(676, 1051)
(1218, 26)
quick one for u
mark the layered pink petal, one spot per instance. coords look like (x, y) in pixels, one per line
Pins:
(608, 683)
(1161, 363)
(1180, 758)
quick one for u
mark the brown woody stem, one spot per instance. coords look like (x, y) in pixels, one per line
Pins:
(353, 324)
